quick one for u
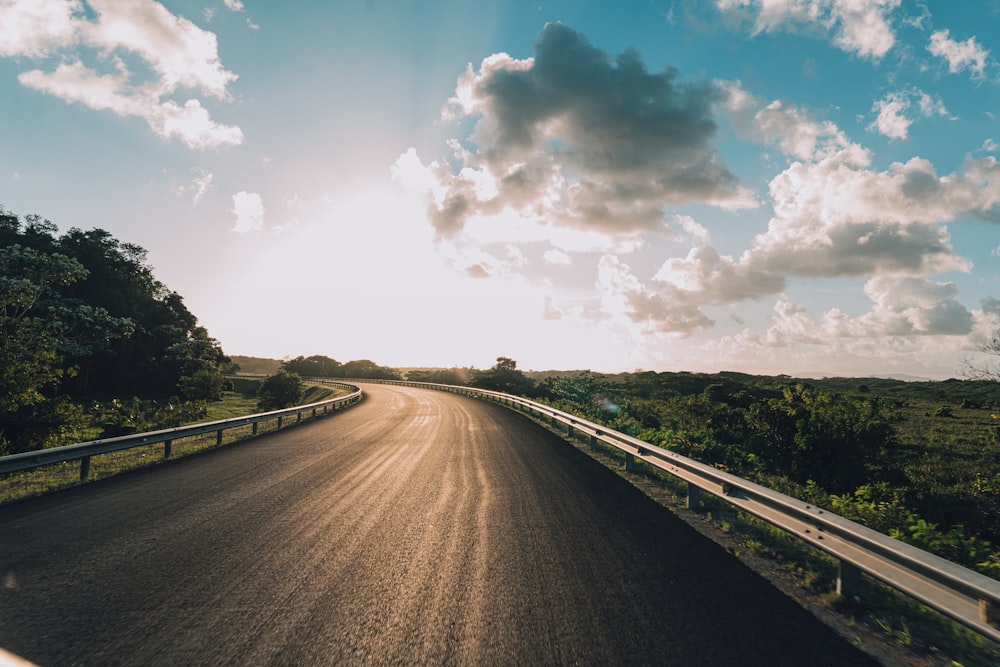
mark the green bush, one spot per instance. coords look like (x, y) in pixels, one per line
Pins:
(280, 390)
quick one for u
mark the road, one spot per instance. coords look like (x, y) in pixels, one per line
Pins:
(417, 528)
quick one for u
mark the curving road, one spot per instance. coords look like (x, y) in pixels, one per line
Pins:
(416, 528)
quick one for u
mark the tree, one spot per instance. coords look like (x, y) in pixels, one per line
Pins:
(316, 365)
(990, 368)
(199, 363)
(83, 320)
(504, 377)
(30, 360)
(368, 370)
(280, 390)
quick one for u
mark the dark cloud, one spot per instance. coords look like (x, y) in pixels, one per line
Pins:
(579, 137)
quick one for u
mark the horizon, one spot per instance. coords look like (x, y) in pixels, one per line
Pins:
(772, 188)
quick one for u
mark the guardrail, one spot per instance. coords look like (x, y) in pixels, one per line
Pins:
(84, 450)
(968, 597)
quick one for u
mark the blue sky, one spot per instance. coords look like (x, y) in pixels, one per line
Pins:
(769, 186)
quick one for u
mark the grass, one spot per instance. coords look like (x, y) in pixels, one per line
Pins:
(238, 403)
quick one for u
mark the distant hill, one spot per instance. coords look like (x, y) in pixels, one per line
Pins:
(256, 365)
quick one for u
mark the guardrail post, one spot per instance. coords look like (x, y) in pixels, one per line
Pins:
(694, 498)
(166, 448)
(629, 461)
(253, 430)
(298, 417)
(569, 430)
(848, 580)
(989, 613)
(279, 422)
(593, 442)
(218, 437)
(84, 468)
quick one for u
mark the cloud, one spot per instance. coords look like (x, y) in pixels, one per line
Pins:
(556, 256)
(626, 300)
(861, 27)
(179, 54)
(202, 183)
(835, 218)
(234, 5)
(902, 307)
(907, 306)
(249, 211)
(692, 230)
(786, 126)
(550, 311)
(577, 138)
(961, 56)
(892, 121)
(37, 28)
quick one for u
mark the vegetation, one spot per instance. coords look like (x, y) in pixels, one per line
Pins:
(91, 344)
(239, 401)
(918, 461)
(505, 377)
(319, 366)
(988, 369)
(280, 390)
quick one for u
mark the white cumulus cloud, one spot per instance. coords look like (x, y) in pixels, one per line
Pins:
(180, 55)
(893, 119)
(862, 27)
(961, 56)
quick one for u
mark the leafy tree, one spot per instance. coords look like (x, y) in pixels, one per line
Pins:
(280, 390)
(199, 362)
(505, 377)
(368, 370)
(83, 318)
(313, 366)
(30, 361)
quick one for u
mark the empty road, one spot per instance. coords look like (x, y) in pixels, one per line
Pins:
(416, 528)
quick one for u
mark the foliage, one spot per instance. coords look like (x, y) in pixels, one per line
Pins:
(123, 417)
(456, 376)
(321, 366)
(878, 451)
(505, 377)
(821, 436)
(280, 390)
(81, 319)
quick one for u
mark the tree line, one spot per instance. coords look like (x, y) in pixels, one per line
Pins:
(91, 342)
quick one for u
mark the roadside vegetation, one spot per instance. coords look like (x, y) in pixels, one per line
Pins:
(919, 461)
(241, 399)
(91, 343)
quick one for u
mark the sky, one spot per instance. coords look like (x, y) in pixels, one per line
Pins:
(801, 187)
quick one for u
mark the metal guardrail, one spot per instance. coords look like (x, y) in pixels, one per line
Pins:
(84, 450)
(968, 597)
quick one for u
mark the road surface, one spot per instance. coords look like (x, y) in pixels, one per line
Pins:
(417, 528)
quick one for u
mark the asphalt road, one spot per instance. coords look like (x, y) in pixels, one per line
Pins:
(416, 528)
